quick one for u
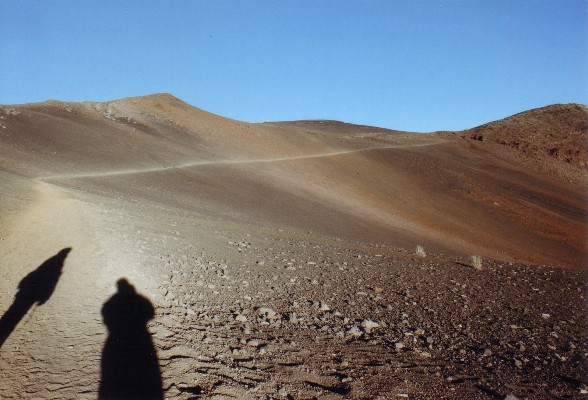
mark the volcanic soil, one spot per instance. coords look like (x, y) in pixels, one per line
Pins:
(150, 248)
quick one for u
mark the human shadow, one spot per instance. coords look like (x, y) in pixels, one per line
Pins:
(37, 287)
(130, 369)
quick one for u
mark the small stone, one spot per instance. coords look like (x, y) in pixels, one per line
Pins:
(293, 319)
(399, 345)
(241, 318)
(267, 312)
(355, 332)
(368, 325)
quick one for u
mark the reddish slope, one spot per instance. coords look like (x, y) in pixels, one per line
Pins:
(550, 139)
(322, 179)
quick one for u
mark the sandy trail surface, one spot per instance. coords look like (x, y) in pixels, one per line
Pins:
(70, 323)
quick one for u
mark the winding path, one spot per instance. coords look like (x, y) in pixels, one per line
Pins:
(227, 162)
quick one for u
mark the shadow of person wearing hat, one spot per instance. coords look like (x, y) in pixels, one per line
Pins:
(130, 367)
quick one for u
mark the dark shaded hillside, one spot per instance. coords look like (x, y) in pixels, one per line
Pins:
(552, 138)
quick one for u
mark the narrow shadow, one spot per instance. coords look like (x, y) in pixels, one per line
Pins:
(36, 287)
(130, 368)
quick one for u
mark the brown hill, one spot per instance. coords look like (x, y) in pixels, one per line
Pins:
(551, 139)
(337, 180)
(134, 133)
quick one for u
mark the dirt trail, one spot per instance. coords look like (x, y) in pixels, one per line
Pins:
(56, 345)
(227, 162)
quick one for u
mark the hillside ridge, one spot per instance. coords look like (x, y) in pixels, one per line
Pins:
(535, 115)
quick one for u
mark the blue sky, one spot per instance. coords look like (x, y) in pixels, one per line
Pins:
(410, 65)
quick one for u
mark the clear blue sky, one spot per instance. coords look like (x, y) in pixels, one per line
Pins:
(411, 65)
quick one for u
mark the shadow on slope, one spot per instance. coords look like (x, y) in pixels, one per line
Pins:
(37, 287)
(130, 368)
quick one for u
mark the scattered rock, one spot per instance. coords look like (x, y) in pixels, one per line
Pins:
(241, 318)
(369, 325)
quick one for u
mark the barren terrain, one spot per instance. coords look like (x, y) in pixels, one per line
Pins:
(277, 260)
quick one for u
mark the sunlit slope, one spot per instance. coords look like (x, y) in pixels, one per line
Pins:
(320, 179)
(55, 138)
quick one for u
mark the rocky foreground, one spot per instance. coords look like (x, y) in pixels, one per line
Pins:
(276, 318)
(254, 316)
